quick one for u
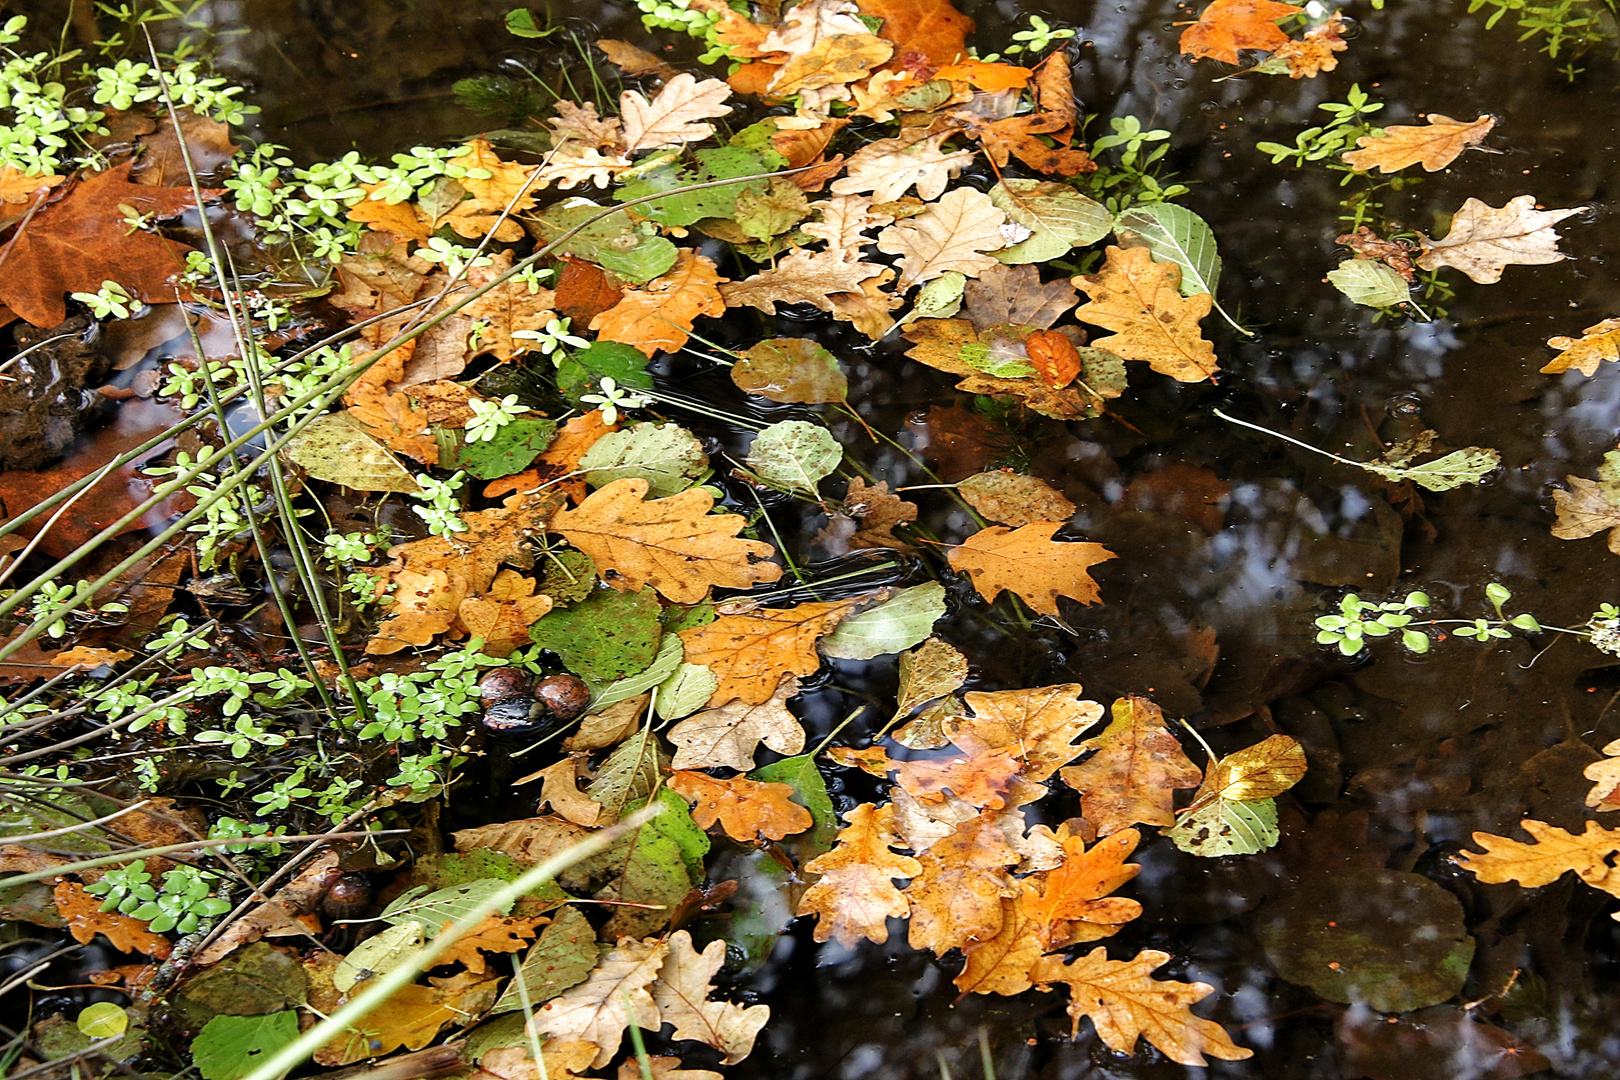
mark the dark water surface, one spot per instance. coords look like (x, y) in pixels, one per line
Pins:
(1409, 756)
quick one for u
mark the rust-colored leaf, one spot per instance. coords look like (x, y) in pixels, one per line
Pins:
(660, 316)
(929, 32)
(493, 935)
(1134, 774)
(1056, 359)
(1075, 901)
(1027, 561)
(85, 920)
(746, 809)
(1229, 25)
(752, 651)
(956, 897)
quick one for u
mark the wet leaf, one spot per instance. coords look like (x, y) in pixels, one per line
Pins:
(493, 935)
(830, 62)
(1553, 852)
(1368, 282)
(675, 115)
(746, 809)
(1014, 499)
(660, 316)
(1262, 771)
(952, 234)
(411, 1018)
(1058, 217)
(1605, 777)
(337, 448)
(379, 954)
(927, 673)
(856, 894)
(1226, 827)
(730, 734)
(1054, 358)
(1028, 562)
(231, 1047)
(956, 896)
(752, 651)
(1597, 343)
(809, 791)
(513, 449)
(791, 370)
(632, 250)
(897, 623)
(802, 277)
(1483, 240)
(561, 957)
(1125, 1004)
(932, 31)
(674, 545)
(1016, 296)
(889, 167)
(431, 910)
(667, 456)
(1467, 466)
(559, 787)
(1140, 300)
(794, 454)
(1434, 146)
(1226, 26)
(1134, 774)
(85, 920)
(612, 997)
(689, 207)
(1037, 726)
(1075, 901)
(685, 691)
(681, 995)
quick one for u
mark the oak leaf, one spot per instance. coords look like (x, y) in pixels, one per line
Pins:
(613, 996)
(675, 116)
(752, 651)
(1134, 774)
(925, 32)
(1140, 300)
(664, 1068)
(508, 309)
(565, 1059)
(17, 186)
(1597, 343)
(1313, 54)
(807, 24)
(1229, 25)
(660, 316)
(889, 167)
(673, 544)
(1484, 239)
(583, 125)
(1433, 146)
(1605, 777)
(800, 278)
(1001, 964)
(1125, 1004)
(1074, 902)
(868, 310)
(1027, 561)
(879, 513)
(843, 224)
(559, 786)
(989, 77)
(288, 912)
(746, 809)
(503, 617)
(1545, 861)
(412, 1017)
(85, 920)
(1585, 509)
(832, 61)
(681, 996)
(78, 239)
(730, 734)
(856, 895)
(951, 234)
(1037, 726)
(979, 780)
(508, 188)
(956, 896)
(1016, 296)
(494, 935)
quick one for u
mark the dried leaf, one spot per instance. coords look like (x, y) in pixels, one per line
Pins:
(1585, 509)
(831, 62)
(1016, 296)
(1597, 343)
(730, 734)
(746, 809)
(1134, 774)
(1546, 860)
(674, 117)
(1483, 239)
(956, 896)
(889, 167)
(856, 894)
(1434, 146)
(1605, 777)
(1014, 499)
(1140, 300)
(411, 1018)
(493, 935)
(1074, 902)
(752, 651)
(559, 786)
(1229, 25)
(1027, 561)
(950, 235)
(17, 186)
(614, 996)
(800, 278)
(85, 920)
(681, 995)
(930, 32)
(660, 316)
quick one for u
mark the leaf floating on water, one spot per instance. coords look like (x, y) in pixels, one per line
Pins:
(1470, 465)
(746, 809)
(1227, 827)
(1059, 218)
(1483, 240)
(1553, 853)
(337, 448)
(1229, 25)
(794, 454)
(1370, 283)
(675, 116)
(1597, 343)
(1434, 146)
(897, 623)
(1134, 774)
(1140, 300)
(667, 456)
(791, 370)
(952, 234)
(1014, 499)
(1027, 561)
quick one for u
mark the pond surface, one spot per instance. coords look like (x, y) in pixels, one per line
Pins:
(1229, 543)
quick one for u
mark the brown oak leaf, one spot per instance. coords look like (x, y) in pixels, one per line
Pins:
(752, 651)
(1140, 300)
(729, 735)
(1484, 239)
(856, 895)
(681, 996)
(802, 277)
(956, 896)
(952, 234)
(889, 167)
(1137, 767)
(746, 809)
(1027, 561)
(660, 316)
(675, 116)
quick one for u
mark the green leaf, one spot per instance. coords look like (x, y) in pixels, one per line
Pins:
(630, 774)
(664, 665)
(1467, 466)
(379, 953)
(896, 624)
(606, 637)
(512, 450)
(336, 448)
(686, 691)
(939, 299)
(794, 454)
(690, 207)
(656, 865)
(560, 957)
(624, 363)
(667, 456)
(520, 23)
(103, 1020)
(1370, 282)
(1227, 827)
(633, 250)
(1059, 218)
(792, 370)
(1175, 234)
(433, 909)
(231, 1047)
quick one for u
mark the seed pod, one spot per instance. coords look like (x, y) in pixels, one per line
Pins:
(503, 683)
(564, 696)
(348, 898)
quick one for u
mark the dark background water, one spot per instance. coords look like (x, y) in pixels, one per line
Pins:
(1409, 756)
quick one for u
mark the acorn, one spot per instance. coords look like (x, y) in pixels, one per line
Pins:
(566, 697)
(513, 705)
(347, 898)
(504, 683)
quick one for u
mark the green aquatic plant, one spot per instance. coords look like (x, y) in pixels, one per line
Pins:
(1359, 620)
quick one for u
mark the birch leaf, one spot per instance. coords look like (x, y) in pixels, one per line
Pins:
(1369, 282)
(667, 456)
(1483, 239)
(794, 454)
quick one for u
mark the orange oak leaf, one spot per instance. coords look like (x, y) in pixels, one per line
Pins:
(584, 291)
(1313, 54)
(79, 239)
(1037, 726)
(1597, 343)
(1140, 300)
(1074, 901)
(1545, 861)
(856, 894)
(673, 544)
(503, 617)
(956, 897)
(85, 920)
(1434, 146)
(988, 77)
(1027, 561)
(560, 459)
(752, 651)
(411, 1017)
(746, 809)
(1000, 964)
(924, 32)
(389, 416)
(1229, 25)
(564, 1059)
(1125, 1003)
(1134, 774)
(660, 316)
(493, 935)
(979, 780)
(800, 278)
(831, 62)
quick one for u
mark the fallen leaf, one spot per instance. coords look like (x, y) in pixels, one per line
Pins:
(1229, 25)
(559, 786)
(746, 809)
(1036, 725)
(493, 935)
(1484, 239)
(564, 1059)
(931, 32)
(674, 545)
(1584, 510)
(1074, 902)
(1433, 146)
(980, 781)
(674, 117)
(1597, 343)
(1125, 1003)
(832, 61)
(17, 186)
(927, 673)
(856, 894)
(1313, 54)
(752, 651)
(989, 77)
(1605, 777)
(889, 167)
(790, 370)
(412, 1017)
(681, 996)
(1027, 561)
(1140, 300)
(1016, 296)
(843, 224)
(614, 996)
(1014, 499)
(85, 920)
(729, 735)
(287, 913)
(660, 316)
(951, 234)
(956, 896)
(634, 61)
(1132, 777)
(805, 25)
(1547, 859)
(802, 277)
(664, 1068)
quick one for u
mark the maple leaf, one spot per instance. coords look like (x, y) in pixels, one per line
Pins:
(1484, 239)
(856, 894)
(1125, 1004)
(494, 935)
(951, 234)
(1141, 301)
(1027, 561)
(1434, 146)
(1074, 901)
(831, 62)
(1545, 861)
(730, 734)
(1597, 343)
(1584, 510)
(78, 240)
(613, 996)
(85, 920)
(800, 278)
(1605, 777)
(956, 896)
(660, 316)
(681, 995)
(1134, 774)
(1229, 25)
(889, 167)
(752, 651)
(673, 544)
(746, 809)
(675, 115)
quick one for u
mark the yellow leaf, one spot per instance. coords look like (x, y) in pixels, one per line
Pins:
(1434, 146)
(832, 61)
(493, 935)
(1073, 903)
(856, 894)
(752, 651)
(956, 896)
(1137, 767)
(1605, 777)
(1229, 25)
(1597, 343)
(660, 316)
(1027, 561)
(746, 809)
(1545, 861)
(1140, 300)
(681, 995)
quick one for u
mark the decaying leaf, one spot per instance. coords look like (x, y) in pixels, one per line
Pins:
(85, 920)
(1483, 239)
(752, 651)
(1226, 26)
(729, 735)
(889, 167)
(956, 896)
(681, 996)
(675, 116)
(1434, 146)
(1027, 561)
(660, 316)
(1134, 774)
(856, 894)
(1585, 509)
(746, 809)
(1014, 499)
(1140, 300)
(952, 234)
